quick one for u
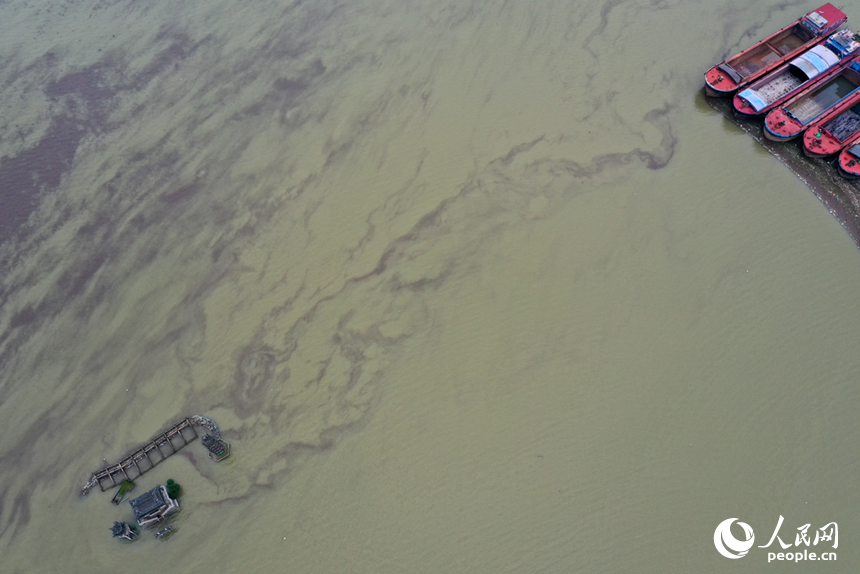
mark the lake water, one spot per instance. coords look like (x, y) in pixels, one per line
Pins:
(479, 287)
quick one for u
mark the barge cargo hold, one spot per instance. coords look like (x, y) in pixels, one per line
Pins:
(788, 121)
(810, 69)
(766, 55)
(832, 132)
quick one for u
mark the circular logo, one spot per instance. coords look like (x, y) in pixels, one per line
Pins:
(727, 544)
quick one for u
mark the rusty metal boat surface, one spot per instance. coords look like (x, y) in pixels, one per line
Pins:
(833, 130)
(788, 121)
(849, 159)
(807, 70)
(723, 79)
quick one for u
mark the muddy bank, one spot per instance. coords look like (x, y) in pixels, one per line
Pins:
(840, 195)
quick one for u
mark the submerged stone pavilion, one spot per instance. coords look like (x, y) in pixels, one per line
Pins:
(153, 507)
(124, 531)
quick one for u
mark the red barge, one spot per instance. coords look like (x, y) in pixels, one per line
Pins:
(811, 68)
(723, 79)
(849, 159)
(788, 121)
(832, 132)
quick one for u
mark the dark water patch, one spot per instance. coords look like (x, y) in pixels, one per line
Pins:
(38, 67)
(95, 246)
(254, 372)
(422, 283)
(14, 514)
(90, 84)
(606, 9)
(15, 506)
(781, 14)
(15, 337)
(287, 458)
(659, 118)
(23, 317)
(20, 515)
(286, 93)
(652, 159)
(25, 177)
(517, 150)
(284, 47)
(290, 86)
(3, 494)
(97, 229)
(178, 46)
(82, 101)
(83, 98)
(183, 193)
(840, 195)
(74, 281)
(48, 427)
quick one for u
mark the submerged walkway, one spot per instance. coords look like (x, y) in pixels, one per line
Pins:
(150, 454)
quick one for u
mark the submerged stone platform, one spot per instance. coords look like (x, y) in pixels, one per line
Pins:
(840, 195)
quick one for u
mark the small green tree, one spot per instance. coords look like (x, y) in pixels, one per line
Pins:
(173, 488)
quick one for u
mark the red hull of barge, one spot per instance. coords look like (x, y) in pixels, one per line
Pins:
(818, 141)
(781, 127)
(815, 103)
(742, 109)
(848, 161)
(722, 80)
(849, 166)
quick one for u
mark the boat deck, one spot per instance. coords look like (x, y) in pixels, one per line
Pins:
(845, 124)
(770, 52)
(778, 87)
(814, 104)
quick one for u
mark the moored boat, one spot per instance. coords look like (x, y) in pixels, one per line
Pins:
(788, 121)
(760, 58)
(849, 159)
(814, 66)
(832, 131)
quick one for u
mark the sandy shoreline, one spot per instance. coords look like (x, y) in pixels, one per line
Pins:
(840, 195)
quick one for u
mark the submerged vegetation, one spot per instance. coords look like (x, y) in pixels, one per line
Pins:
(173, 489)
(123, 488)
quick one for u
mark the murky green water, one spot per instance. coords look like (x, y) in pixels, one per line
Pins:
(469, 287)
